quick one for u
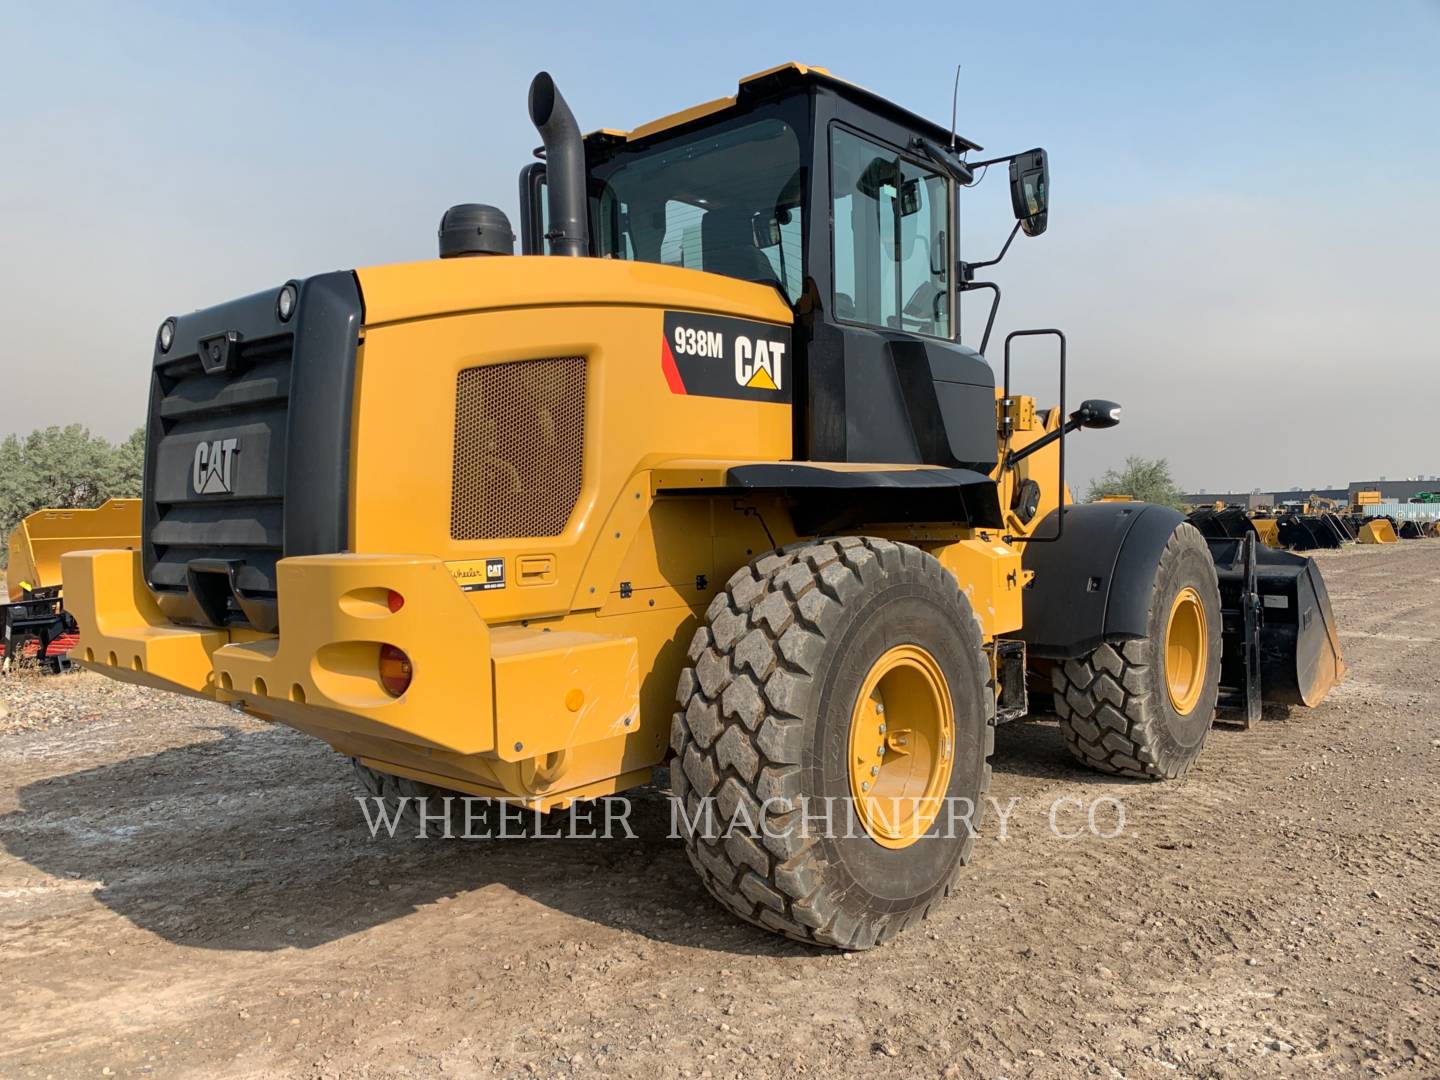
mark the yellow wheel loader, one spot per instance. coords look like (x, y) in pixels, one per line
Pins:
(705, 477)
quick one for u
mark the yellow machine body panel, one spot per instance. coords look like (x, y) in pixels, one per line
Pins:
(40, 539)
(1021, 422)
(607, 314)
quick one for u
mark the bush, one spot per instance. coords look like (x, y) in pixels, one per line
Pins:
(1142, 478)
(64, 468)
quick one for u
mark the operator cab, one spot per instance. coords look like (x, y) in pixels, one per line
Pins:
(845, 203)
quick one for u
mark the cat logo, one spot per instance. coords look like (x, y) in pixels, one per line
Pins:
(721, 357)
(758, 364)
(212, 469)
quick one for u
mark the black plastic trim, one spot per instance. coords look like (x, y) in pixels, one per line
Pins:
(826, 500)
(328, 319)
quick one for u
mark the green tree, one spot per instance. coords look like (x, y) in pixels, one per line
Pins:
(127, 467)
(64, 468)
(1145, 479)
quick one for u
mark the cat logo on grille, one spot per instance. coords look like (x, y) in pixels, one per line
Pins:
(212, 471)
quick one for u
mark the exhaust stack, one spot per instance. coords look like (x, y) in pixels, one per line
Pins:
(569, 233)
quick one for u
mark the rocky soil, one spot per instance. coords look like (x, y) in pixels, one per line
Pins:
(188, 892)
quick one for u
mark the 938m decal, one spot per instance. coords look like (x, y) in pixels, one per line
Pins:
(714, 356)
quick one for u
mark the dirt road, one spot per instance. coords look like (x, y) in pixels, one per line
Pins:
(186, 892)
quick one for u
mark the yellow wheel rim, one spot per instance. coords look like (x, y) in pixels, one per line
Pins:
(1187, 649)
(902, 746)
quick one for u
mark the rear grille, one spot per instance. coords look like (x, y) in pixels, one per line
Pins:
(250, 405)
(247, 463)
(519, 446)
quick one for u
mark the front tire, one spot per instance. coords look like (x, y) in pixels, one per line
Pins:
(795, 664)
(1143, 707)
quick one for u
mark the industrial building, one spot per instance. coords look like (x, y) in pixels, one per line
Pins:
(1390, 491)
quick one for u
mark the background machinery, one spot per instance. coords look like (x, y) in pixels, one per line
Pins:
(707, 477)
(34, 624)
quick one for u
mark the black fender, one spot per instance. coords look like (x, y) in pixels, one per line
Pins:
(1094, 583)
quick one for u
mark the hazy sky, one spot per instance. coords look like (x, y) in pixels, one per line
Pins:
(1242, 236)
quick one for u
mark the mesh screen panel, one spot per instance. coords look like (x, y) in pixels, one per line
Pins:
(519, 445)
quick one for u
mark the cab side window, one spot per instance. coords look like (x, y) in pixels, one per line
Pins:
(892, 235)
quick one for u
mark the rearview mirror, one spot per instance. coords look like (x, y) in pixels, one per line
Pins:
(1030, 190)
(764, 230)
(1096, 413)
(910, 197)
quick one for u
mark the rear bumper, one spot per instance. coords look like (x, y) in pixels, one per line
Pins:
(490, 710)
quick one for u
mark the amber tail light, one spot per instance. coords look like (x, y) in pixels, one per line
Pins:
(395, 670)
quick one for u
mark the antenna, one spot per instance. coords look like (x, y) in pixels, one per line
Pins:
(954, 105)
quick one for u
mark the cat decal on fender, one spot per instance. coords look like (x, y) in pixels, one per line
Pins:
(717, 356)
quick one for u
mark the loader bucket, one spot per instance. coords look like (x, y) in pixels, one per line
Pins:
(1377, 531)
(1410, 530)
(1307, 532)
(1295, 533)
(1267, 530)
(1230, 522)
(1338, 525)
(1294, 637)
(40, 539)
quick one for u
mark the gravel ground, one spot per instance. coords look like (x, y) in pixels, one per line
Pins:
(188, 892)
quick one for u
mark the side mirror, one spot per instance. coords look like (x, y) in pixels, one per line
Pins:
(1096, 413)
(880, 173)
(1030, 190)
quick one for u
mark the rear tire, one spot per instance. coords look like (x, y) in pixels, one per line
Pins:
(402, 792)
(782, 673)
(1139, 707)
(484, 821)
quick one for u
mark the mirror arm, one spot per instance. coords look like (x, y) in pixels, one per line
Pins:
(1072, 425)
(967, 270)
(962, 172)
(993, 161)
(1093, 413)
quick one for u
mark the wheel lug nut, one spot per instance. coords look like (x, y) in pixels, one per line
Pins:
(879, 709)
(865, 786)
(874, 770)
(882, 729)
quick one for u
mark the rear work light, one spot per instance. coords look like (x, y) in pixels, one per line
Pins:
(395, 670)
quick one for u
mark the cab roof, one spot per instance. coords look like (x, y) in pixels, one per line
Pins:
(776, 79)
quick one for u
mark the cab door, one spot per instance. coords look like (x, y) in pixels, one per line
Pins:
(888, 382)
